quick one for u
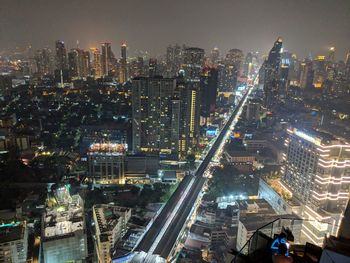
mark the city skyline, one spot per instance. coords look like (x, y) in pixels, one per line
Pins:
(21, 25)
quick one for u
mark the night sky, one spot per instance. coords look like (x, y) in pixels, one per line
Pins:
(305, 25)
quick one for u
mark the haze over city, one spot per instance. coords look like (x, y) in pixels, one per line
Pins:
(306, 26)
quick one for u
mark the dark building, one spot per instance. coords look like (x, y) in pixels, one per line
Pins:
(61, 56)
(208, 90)
(271, 76)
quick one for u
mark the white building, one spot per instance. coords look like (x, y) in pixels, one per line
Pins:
(63, 229)
(316, 172)
(110, 225)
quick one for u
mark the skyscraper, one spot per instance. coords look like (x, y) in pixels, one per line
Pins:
(79, 63)
(271, 79)
(96, 63)
(107, 59)
(44, 61)
(214, 56)
(208, 90)
(174, 59)
(155, 112)
(232, 68)
(123, 64)
(152, 67)
(193, 63)
(61, 56)
(316, 173)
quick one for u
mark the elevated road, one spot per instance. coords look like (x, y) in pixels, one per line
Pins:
(164, 232)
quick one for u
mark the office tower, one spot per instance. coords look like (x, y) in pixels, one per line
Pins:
(106, 162)
(63, 237)
(123, 73)
(107, 59)
(193, 63)
(208, 91)
(110, 226)
(320, 72)
(174, 59)
(232, 68)
(214, 56)
(316, 173)
(306, 74)
(271, 79)
(61, 56)
(44, 61)
(13, 242)
(156, 116)
(152, 68)
(96, 62)
(79, 63)
(189, 116)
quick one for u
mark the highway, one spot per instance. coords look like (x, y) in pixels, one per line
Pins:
(164, 232)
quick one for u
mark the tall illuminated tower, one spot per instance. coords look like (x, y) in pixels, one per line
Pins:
(96, 62)
(123, 75)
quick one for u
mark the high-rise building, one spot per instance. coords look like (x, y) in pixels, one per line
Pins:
(61, 56)
(110, 226)
(316, 173)
(193, 63)
(232, 69)
(123, 74)
(107, 59)
(208, 90)
(44, 61)
(320, 72)
(271, 77)
(13, 242)
(156, 116)
(153, 68)
(174, 59)
(79, 63)
(63, 237)
(306, 74)
(106, 162)
(347, 65)
(96, 62)
(214, 56)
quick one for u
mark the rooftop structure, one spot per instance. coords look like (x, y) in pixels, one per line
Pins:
(63, 230)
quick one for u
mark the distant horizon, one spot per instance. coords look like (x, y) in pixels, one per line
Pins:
(306, 26)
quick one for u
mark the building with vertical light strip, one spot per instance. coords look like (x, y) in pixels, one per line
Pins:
(317, 173)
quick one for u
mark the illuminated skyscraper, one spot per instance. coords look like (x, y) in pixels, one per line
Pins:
(331, 55)
(193, 63)
(107, 59)
(232, 68)
(174, 59)
(271, 78)
(155, 112)
(61, 56)
(306, 74)
(79, 63)
(44, 61)
(320, 72)
(316, 173)
(123, 64)
(96, 63)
